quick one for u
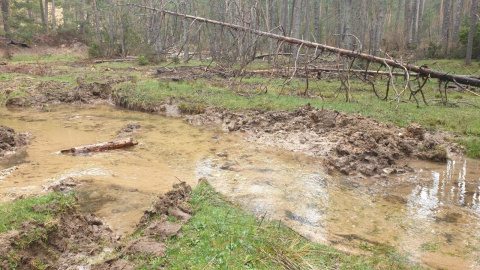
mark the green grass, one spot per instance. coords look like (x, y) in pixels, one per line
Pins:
(44, 58)
(222, 236)
(12, 215)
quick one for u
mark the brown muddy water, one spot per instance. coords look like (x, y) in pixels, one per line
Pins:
(431, 216)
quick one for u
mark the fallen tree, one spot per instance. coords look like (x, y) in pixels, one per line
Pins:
(100, 146)
(388, 62)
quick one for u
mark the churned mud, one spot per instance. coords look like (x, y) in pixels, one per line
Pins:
(11, 141)
(84, 241)
(351, 144)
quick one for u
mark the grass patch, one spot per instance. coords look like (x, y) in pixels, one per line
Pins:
(222, 236)
(12, 215)
(472, 145)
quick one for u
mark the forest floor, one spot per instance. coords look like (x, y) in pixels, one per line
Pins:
(364, 138)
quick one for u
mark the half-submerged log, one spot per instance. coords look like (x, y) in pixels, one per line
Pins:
(101, 146)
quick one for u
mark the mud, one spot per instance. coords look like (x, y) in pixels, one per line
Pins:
(78, 241)
(350, 144)
(11, 141)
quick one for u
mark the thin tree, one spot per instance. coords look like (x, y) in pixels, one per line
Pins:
(445, 25)
(471, 34)
(54, 19)
(46, 15)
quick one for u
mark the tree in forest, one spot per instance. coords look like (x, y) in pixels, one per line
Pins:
(473, 29)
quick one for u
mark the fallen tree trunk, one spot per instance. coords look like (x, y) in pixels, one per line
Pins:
(100, 146)
(368, 72)
(426, 72)
(115, 60)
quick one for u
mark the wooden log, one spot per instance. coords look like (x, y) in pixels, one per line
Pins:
(100, 146)
(115, 60)
(423, 71)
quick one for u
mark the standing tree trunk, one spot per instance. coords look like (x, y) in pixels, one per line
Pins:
(347, 28)
(317, 10)
(297, 20)
(471, 34)
(379, 28)
(407, 22)
(418, 38)
(46, 16)
(6, 16)
(97, 25)
(445, 25)
(183, 9)
(41, 11)
(415, 20)
(457, 20)
(54, 19)
(397, 22)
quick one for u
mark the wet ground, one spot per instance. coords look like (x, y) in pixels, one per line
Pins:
(431, 215)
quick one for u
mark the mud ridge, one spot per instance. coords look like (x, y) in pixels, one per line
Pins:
(349, 143)
(11, 141)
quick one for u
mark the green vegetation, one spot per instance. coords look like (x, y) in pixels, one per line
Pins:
(222, 236)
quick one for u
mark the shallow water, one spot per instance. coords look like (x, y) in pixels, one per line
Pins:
(431, 216)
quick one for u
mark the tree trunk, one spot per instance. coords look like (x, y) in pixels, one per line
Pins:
(421, 10)
(471, 34)
(317, 24)
(397, 22)
(54, 19)
(41, 11)
(347, 28)
(6, 16)
(445, 26)
(415, 20)
(407, 22)
(457, 20)
(379, 28)
(46, 16)
(297, 20)
(97, 25)
(183, 9)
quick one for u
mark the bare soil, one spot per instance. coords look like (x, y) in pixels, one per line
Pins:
(11, 141)
(78, 241)
(350, 143)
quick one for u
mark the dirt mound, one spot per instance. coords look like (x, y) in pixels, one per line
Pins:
(77, 241)
(72, 241)
(350, 143)
(10, 141)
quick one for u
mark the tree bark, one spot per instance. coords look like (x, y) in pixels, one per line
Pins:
(347, 29)
(397, 22)
(54, 19)
(445, 25)
(418, 38)
(97, 25)
(317, 11)
(415, 20)
(297, 20)
(41, 11)
(407, 22)
(471, 34)
(46, 16)
(379, 28)
(457, 20)
(183, 9)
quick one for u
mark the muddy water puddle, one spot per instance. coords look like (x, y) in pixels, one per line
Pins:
(431, 216)
(117, 185)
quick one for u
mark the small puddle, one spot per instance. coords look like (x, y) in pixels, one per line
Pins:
(432, 216)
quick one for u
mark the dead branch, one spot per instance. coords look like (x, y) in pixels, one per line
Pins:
(341, 52)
